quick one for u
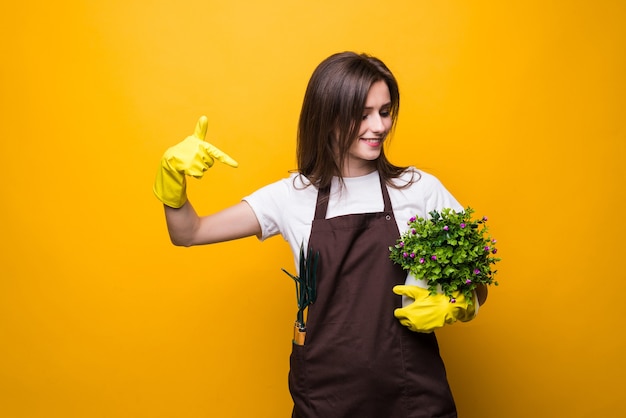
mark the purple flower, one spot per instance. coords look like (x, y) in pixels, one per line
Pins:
(401, 244)
(452, 300)
(413, 231)
(462, 225)
(405, 255)
(433, 257)
(412, 255)
(485, 218)
(468, 281)
(422, 260)
(476, 271)
(493, 241)
(445, 228)
(412, 219)
(495, 250)
(487, 248)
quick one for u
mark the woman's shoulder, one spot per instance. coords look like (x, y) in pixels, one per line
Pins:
(294, 184)
(413, 177)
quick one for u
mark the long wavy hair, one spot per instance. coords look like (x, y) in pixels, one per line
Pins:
(331, 113)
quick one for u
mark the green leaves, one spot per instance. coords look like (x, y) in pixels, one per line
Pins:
(450, 249)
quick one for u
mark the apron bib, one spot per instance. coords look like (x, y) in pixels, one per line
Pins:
(358, 361)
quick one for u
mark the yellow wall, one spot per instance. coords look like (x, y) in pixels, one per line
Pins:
(518, 108)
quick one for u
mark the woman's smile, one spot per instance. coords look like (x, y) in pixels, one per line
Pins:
(372, 142)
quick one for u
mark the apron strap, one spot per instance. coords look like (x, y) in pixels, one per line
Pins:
(323, 196)
(386, 198)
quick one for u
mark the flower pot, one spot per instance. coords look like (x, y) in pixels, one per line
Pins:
(414, 281)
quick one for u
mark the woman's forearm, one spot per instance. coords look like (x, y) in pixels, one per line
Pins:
(182, 224)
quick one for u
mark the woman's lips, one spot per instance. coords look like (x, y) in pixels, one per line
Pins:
(372, 142)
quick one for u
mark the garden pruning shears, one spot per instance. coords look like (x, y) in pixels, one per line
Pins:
(306, 290)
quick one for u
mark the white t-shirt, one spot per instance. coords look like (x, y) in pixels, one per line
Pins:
(287, 206)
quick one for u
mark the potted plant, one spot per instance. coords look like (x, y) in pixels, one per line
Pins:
(448, 251)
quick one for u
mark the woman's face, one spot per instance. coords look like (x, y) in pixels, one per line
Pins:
(375, 124)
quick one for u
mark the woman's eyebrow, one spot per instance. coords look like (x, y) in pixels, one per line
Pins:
(382, 107)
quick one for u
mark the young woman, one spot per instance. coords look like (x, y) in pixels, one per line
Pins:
(348, 204)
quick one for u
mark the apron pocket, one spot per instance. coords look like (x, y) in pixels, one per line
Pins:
(298, 378)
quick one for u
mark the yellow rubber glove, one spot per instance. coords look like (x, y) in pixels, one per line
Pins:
(191, 157)
(429, 312)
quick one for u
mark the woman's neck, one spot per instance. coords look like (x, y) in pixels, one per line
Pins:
(358, 170)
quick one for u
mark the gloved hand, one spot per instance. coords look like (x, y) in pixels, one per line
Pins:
(429, 312)
(191, 157)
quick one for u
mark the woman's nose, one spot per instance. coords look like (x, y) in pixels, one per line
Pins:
(376, 124)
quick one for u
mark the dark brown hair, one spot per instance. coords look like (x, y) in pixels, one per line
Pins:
(332, 108)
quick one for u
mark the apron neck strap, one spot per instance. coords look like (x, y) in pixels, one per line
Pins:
(323, 196)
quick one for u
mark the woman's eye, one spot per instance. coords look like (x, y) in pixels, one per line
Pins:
(382, 113)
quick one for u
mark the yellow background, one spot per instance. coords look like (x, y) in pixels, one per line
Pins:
(518, 107)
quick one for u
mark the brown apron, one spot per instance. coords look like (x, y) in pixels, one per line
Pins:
(358, 361)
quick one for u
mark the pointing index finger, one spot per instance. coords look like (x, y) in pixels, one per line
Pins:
(220, 155)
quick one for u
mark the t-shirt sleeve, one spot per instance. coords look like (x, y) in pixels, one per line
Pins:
(267, 203)
(441, 198)
(437, 197)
